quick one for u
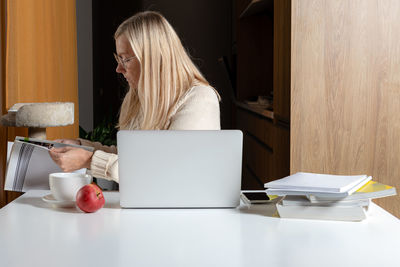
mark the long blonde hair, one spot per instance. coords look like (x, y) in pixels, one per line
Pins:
(166, 72)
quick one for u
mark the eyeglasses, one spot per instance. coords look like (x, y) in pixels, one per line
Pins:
(122, 61)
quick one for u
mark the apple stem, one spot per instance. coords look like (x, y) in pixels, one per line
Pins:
(93, 182)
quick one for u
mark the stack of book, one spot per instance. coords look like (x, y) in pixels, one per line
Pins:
(326, 197)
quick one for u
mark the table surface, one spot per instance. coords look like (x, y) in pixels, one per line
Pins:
(34, 234)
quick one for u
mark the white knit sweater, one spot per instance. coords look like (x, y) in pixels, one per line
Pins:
(197, 110)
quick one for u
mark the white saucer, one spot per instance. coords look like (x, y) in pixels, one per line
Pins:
(58, 203)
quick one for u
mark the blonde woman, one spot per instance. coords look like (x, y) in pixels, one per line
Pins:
(166, 92)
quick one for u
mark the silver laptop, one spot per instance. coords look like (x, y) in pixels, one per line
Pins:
(180, 169)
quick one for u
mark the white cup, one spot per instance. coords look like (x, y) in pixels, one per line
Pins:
(65, 185)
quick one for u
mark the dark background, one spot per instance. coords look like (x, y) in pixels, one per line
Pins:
(206, 31)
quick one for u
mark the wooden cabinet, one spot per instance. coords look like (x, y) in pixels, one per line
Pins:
(257, 148)
(263, 69)
(254, 39)
(282, 59)
(265, 149)
(260, 127)
(335, 82)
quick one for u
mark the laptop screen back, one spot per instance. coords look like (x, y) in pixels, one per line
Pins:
(179, 169)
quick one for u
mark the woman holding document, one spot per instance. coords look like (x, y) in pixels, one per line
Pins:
(166, 92)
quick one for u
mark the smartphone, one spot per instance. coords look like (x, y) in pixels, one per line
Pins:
(254, 197)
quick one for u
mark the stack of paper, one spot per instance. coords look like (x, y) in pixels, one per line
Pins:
(328, 197)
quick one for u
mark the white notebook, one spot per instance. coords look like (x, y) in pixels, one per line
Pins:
(313, 182)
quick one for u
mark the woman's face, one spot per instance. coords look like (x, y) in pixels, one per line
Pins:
(128, 63)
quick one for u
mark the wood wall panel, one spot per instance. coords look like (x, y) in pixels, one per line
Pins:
(345, 89)
(3, 130)
(282, 34)
(38, 64)
(42, 56)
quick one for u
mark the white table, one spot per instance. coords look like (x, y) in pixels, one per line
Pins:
(34, 234)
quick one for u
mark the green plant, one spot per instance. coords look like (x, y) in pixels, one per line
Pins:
(105, 133)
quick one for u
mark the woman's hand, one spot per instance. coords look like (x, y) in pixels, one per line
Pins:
(68, 141)
(71, 158)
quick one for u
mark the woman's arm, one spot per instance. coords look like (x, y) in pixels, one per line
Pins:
(105, 165)
(84, 142)
(98, 146)
(71, 158)
(102, 164)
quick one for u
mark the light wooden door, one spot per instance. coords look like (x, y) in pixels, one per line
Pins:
(345, 89)
(39, 62)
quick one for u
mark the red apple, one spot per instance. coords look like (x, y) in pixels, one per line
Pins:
(90, 198)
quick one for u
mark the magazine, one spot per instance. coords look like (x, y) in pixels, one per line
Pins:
(29, 164)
